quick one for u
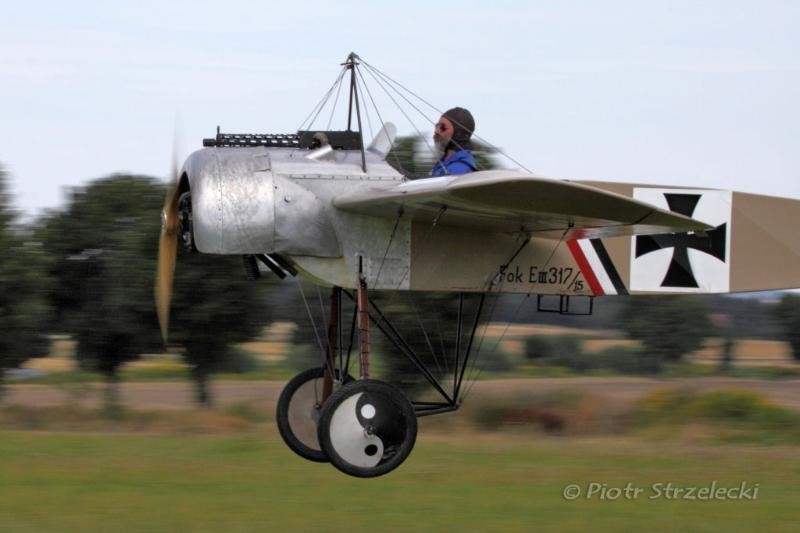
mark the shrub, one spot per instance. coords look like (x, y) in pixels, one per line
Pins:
(740, 410)
(551, 346)
(627, 360)
(558, 412)
(238, 361)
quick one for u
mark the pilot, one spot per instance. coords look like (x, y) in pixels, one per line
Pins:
(452, 136)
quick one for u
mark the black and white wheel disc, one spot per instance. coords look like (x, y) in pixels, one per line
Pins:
(367, 428)
(298, 412)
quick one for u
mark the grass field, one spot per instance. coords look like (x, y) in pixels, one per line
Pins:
(464, 482)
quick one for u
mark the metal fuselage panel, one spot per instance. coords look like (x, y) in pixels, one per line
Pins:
(381, 243)
(241, 206)
(262, 200)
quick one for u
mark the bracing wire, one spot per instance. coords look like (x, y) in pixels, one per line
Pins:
(310, 316)
(336, 100)
(514, 315)
(472, 375)
(487, 143)
(321, 306)
(361, 88)
(420, 112)
(388, 245)
(441, 342)
(321, 104)
(413, 124)
(377, 111)
(425, 333)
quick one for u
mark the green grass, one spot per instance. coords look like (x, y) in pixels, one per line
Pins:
(251, 482)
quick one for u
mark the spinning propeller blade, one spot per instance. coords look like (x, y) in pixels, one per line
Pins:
(167, 249)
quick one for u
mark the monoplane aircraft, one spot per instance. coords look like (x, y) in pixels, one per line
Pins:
(324, 205)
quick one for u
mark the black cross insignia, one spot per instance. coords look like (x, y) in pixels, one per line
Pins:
(679, 273)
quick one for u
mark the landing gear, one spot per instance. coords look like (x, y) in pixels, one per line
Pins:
(367, 428)
(298, 412)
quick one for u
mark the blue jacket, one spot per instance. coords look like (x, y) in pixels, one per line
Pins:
(460, 162)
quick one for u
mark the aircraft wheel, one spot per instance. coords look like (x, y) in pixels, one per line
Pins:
(298, 412)
(367, 428)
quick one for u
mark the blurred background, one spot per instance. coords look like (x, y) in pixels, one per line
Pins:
(104, 428)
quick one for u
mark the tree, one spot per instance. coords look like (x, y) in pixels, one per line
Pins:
(23, 309)
(214, 306)
(667, 326)
(788, 314)
(102, 249)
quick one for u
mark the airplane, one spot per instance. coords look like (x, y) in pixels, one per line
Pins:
(322, 205)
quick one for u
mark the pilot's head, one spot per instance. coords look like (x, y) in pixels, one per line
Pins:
(454, 130)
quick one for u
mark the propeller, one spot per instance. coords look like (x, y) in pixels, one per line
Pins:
(167, 249)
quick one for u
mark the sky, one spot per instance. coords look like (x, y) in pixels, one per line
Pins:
(703, 94)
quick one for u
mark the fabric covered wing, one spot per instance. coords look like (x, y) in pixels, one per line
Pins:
(510, 202)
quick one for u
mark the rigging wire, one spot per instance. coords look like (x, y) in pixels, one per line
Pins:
(487, 143)
(321, 104)
(441, 342)
(377, 112)
(435, 153)
(359, 87)
(424, 332)
(388, 245)
(516, 312)
(413, 124)
(336, 100)
(321, 306)
(310, 316)
(473, 374)
(378, 81)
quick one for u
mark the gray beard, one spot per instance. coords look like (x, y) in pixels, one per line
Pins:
(439, 148)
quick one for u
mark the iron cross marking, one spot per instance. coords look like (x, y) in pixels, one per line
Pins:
(679, 273)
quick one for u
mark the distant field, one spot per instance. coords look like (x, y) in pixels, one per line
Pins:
(179, 395)
(509, 482)
(274, 346)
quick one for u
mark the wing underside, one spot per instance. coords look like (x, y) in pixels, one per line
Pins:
(512, 202)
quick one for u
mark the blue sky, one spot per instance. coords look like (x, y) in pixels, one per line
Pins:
(685, 93)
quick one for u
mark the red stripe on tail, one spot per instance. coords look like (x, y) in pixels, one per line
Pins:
(583, 264)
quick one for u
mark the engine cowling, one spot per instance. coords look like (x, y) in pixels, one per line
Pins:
(240, 207)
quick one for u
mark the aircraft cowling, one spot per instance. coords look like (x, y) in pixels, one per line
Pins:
(240, 207)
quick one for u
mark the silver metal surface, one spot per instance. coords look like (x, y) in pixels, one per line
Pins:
(239, 206)
(383, 141)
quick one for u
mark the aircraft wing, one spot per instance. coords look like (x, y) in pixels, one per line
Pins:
(510, 201)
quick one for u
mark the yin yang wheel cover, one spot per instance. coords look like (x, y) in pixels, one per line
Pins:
(367, 428)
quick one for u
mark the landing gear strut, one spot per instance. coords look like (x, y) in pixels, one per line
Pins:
(364, 427)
